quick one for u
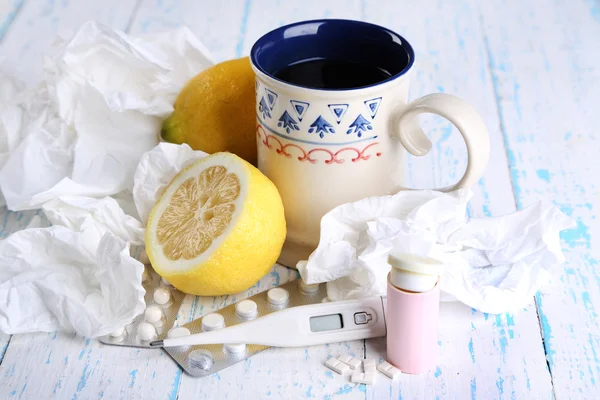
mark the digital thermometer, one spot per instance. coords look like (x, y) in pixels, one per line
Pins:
(299, 326)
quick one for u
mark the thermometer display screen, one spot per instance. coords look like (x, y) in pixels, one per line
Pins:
(326, 323)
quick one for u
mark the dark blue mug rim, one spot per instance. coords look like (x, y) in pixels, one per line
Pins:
(269, 36)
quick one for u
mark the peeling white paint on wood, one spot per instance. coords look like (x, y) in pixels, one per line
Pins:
(531, 70)
(546, 69)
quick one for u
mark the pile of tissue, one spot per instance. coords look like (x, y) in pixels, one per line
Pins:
(83, 146)
(88, 131)
(494, 265)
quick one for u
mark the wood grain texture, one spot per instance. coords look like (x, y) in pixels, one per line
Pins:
(38, 22)
(481, 356)
(546, 71)
(8, 11)
(527, 68)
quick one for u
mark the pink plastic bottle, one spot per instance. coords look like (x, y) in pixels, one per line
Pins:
(413, 298)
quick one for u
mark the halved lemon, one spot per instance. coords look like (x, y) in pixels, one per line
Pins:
(218, 227)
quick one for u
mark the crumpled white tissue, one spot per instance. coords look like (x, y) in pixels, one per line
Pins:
(103, 215)
(82, 131)
(494, 265)
(69, 144)
(58, 279)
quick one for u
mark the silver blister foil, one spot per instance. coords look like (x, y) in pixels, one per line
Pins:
(131, 334)
(204, 360)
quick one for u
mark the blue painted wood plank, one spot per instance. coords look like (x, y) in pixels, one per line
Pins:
(545, 67)
(481, 356)
(8, 12)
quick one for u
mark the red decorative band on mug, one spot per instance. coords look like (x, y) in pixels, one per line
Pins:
(334, 157)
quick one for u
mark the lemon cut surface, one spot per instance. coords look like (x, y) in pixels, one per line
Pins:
(218, 227)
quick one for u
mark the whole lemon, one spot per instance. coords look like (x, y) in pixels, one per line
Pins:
(215, 111)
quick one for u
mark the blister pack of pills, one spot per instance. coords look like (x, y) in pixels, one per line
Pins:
(162, 305)
(202, 360)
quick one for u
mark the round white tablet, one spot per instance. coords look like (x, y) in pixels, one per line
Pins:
(153, 314)
(162, 296)
(178, 332)
(246, 309)
(118, 333)
(308, 287)
(146, 331)
(234, 348)
(278, 296)
(212, 322)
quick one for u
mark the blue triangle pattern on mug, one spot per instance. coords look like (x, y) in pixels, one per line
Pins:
(300, 108)
(359, 126)
(373, 106)
(321, 126)
(338, 111)
(287, 122)
(263, 108)
(271, 97)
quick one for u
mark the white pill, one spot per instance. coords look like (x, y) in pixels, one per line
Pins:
(389, 370)
(153, 314)
(278, 296)
(178, 332)
(246, 309)
(165, 282)
(118, 333)
(146, 331)
(308, 287)
(352, 362)
(212, 322)
(336, 365)
(162, 296)
(367, 378)
(369, 366)
(234, 348)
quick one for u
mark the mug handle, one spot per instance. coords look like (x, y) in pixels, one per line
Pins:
(462, 115)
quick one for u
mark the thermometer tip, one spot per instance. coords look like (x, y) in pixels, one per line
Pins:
(157, 343)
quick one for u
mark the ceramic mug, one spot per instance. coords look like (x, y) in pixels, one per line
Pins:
(326, 147)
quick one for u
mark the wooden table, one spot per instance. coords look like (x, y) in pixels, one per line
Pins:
(532, 68)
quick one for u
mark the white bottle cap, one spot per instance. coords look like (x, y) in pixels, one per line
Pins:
(278, 296)
(212, 322)
(414, 273)
(246, 309)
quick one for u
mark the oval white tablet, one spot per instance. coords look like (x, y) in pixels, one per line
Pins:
(118, 333)
(178, 332)
(212, 322)
(146, 331)
(278, 296)
(153, 314)
(162, 296)
(234, 348)
(246, 309)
